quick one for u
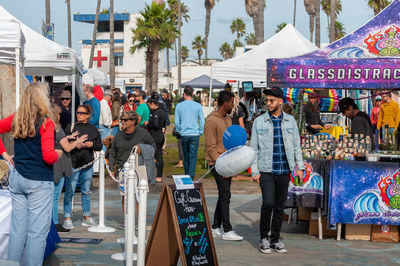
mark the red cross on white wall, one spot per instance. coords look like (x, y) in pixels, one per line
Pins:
(99, 58)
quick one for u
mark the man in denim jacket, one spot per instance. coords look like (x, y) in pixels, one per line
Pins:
(276, 142)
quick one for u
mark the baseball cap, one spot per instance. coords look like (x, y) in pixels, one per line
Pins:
(107, 92)
(274, 91)
(378, 98)
(345, 103)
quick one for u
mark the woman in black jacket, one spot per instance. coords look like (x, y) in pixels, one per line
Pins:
(82, 157)
(156, 127)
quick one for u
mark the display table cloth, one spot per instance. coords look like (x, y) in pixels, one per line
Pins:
(364, 193)
(309, 194)
(5, 219)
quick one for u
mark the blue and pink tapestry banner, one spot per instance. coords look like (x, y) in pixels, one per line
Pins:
(368, 58)
(364, 193)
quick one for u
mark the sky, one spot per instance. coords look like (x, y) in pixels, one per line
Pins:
(355, 13)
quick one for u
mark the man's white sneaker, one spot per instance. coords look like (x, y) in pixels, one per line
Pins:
(216, 232)
(231, 236)
(88, 222)
(265, 246)
(68, 224)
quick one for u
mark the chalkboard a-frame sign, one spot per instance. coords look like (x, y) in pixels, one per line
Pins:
(181, 229)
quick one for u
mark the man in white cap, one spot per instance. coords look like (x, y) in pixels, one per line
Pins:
(105, 120)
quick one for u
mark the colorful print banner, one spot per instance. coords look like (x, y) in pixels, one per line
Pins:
(309, 193)
(367, 58)
(364, 193)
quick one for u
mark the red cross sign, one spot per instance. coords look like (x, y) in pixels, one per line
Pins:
(99, 58)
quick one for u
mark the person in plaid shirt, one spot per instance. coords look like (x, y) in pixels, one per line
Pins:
(276, 143)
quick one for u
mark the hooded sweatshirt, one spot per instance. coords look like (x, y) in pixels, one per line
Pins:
(389, 114)
(214, 129)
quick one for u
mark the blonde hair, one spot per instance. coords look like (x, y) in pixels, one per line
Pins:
(56, 110)
(235, 109)
(33, 107)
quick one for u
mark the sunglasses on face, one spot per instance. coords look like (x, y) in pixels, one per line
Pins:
(125, 119)
(131, 101)
(65, 99)
(82, 113)
(378, 100)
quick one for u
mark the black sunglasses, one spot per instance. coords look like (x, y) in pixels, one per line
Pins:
(131, 101)
(125, 119)
(378, 100)
(65, 99)
(82, 113)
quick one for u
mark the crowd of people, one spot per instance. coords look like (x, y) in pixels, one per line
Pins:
(51, 151)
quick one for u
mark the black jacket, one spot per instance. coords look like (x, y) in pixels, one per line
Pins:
(157, 122)
(80, 157)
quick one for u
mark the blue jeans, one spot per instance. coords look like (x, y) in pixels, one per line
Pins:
(30, 218)
(190, 145)
(57, 192)
(115, 130)
(390, 134)
(85, 178)
(104, 132)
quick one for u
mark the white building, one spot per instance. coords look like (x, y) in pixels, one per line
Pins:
(130, 68)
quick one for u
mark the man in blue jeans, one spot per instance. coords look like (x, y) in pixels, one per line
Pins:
(189, 122)
(276, 143)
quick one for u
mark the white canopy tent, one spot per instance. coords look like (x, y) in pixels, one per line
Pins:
(94, 77)
(44, 57)
(12, 42)
(252, 65)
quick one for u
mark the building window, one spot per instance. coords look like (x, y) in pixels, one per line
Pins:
(104, 26)
(119, 59)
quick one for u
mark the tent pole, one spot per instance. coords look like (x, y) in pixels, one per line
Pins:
(17, 73)
(73, 98)
(210, 96)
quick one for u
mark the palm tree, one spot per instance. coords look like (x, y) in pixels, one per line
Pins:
(317, 23)
(378, 5)
(185, 53)
(47, 6)
(250, 39)
(260, 21)
(112, 54)
(280, 26)
(340, 31)
(238, 27)
(310, 8)
(294, 13)
(326, 7)
(68, 2)
(173, 6)
(236, 43)
(226, 51)
(154, 31)
(209, 5)
(96, 23)
(252, 9)
(198, 45)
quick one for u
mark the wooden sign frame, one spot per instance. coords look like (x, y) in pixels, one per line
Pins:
(164, 246)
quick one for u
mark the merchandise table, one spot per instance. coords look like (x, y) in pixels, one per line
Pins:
(5, 220)
(349, 192)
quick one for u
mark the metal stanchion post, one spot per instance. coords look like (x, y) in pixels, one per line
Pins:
(143, 188)
(129, 214)
(131, 211)
(101, 228)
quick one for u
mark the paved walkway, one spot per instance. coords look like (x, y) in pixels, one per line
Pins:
(303, 249)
